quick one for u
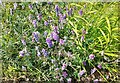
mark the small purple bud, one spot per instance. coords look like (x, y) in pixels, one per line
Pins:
(82, 38)
(61, 41)
(15, 5)
(81, 73)
(56, 8)
(84, 63)
(80, 12)
(21, 53)
(84, 31)
(57, 69)
(64, 74)
(95, 81)
(91, 56)
(45, 53)
(39, 16)
(64, 66)
(93, 70)
(65, 16)
(56, 29)
(99, 66)
(38, 53)
(70, 11)
(34, 22)
(45, 33)
(36, 36)
(49, 42)
(30, 6)
(23, 41)
(55, 36)
(45, 23)
(69, 80)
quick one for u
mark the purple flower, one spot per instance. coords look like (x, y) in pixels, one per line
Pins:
(39, 16)
(69, 80)
(69, 54)
(49, 42)
(38, 53)
(82, 38)
(34, 22)
(84, 63)
(64, 66)
(81, 73)
(45, 23)
(57, 69)
(91, 56)
(36, 36)
(80, 12)
(45, 33)
(23, 41)
(64, 74)
(72, 32)
(61, 41)
(93, 70)
(21, 53)
(30, 6)
(56, 8)
(55, 29)
(65, 16)
(45, 53)
(70, 11)
(99, 66)
(55, 36)
(15, 5)
(95, 81)
(84, 31)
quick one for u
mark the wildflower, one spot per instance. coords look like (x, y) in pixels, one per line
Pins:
(30, 6)
(36, 36)
(21, 53)
(38, 53)
(57, 69)
(95, 81)
(15, 5)
(45, 23)
(69, 80)
(64, 74)
(61, 41)
(70, 11)
(55, 36)
(81, 73)
(23, 41)
(39, 16)
(64, 66)
(99, 66)
(93, 70)
(82, 38)
(49, 42)
(84, 31)
(80, 12)
(55, 29)
(91, 56)
(69, 54)
(34, 22)
(72, 32)
(45, 33)
(84, 63)
(45, 53)
(65, 16)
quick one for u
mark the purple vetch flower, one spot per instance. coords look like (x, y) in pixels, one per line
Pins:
(23, 41)
(95, 81)
(81, 73)
(36, 36)
(57, 8)
(21, 53)
(55, 36)
(45, 33)
(64, 74)
(84, 63)
(64, 16)
(30, 6)
(38, 53)
(80, 12)
(45, 23)
(64, 66)
(39, 16)
(70, 11)
(93, 70)
(45, 53)
(99, 66)
(49, 42)
(15, 5)
(61, 41)
(57, 69)
(91, 56)
(55, 28)
(82, 38)
(69, 80)
(34, 22)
